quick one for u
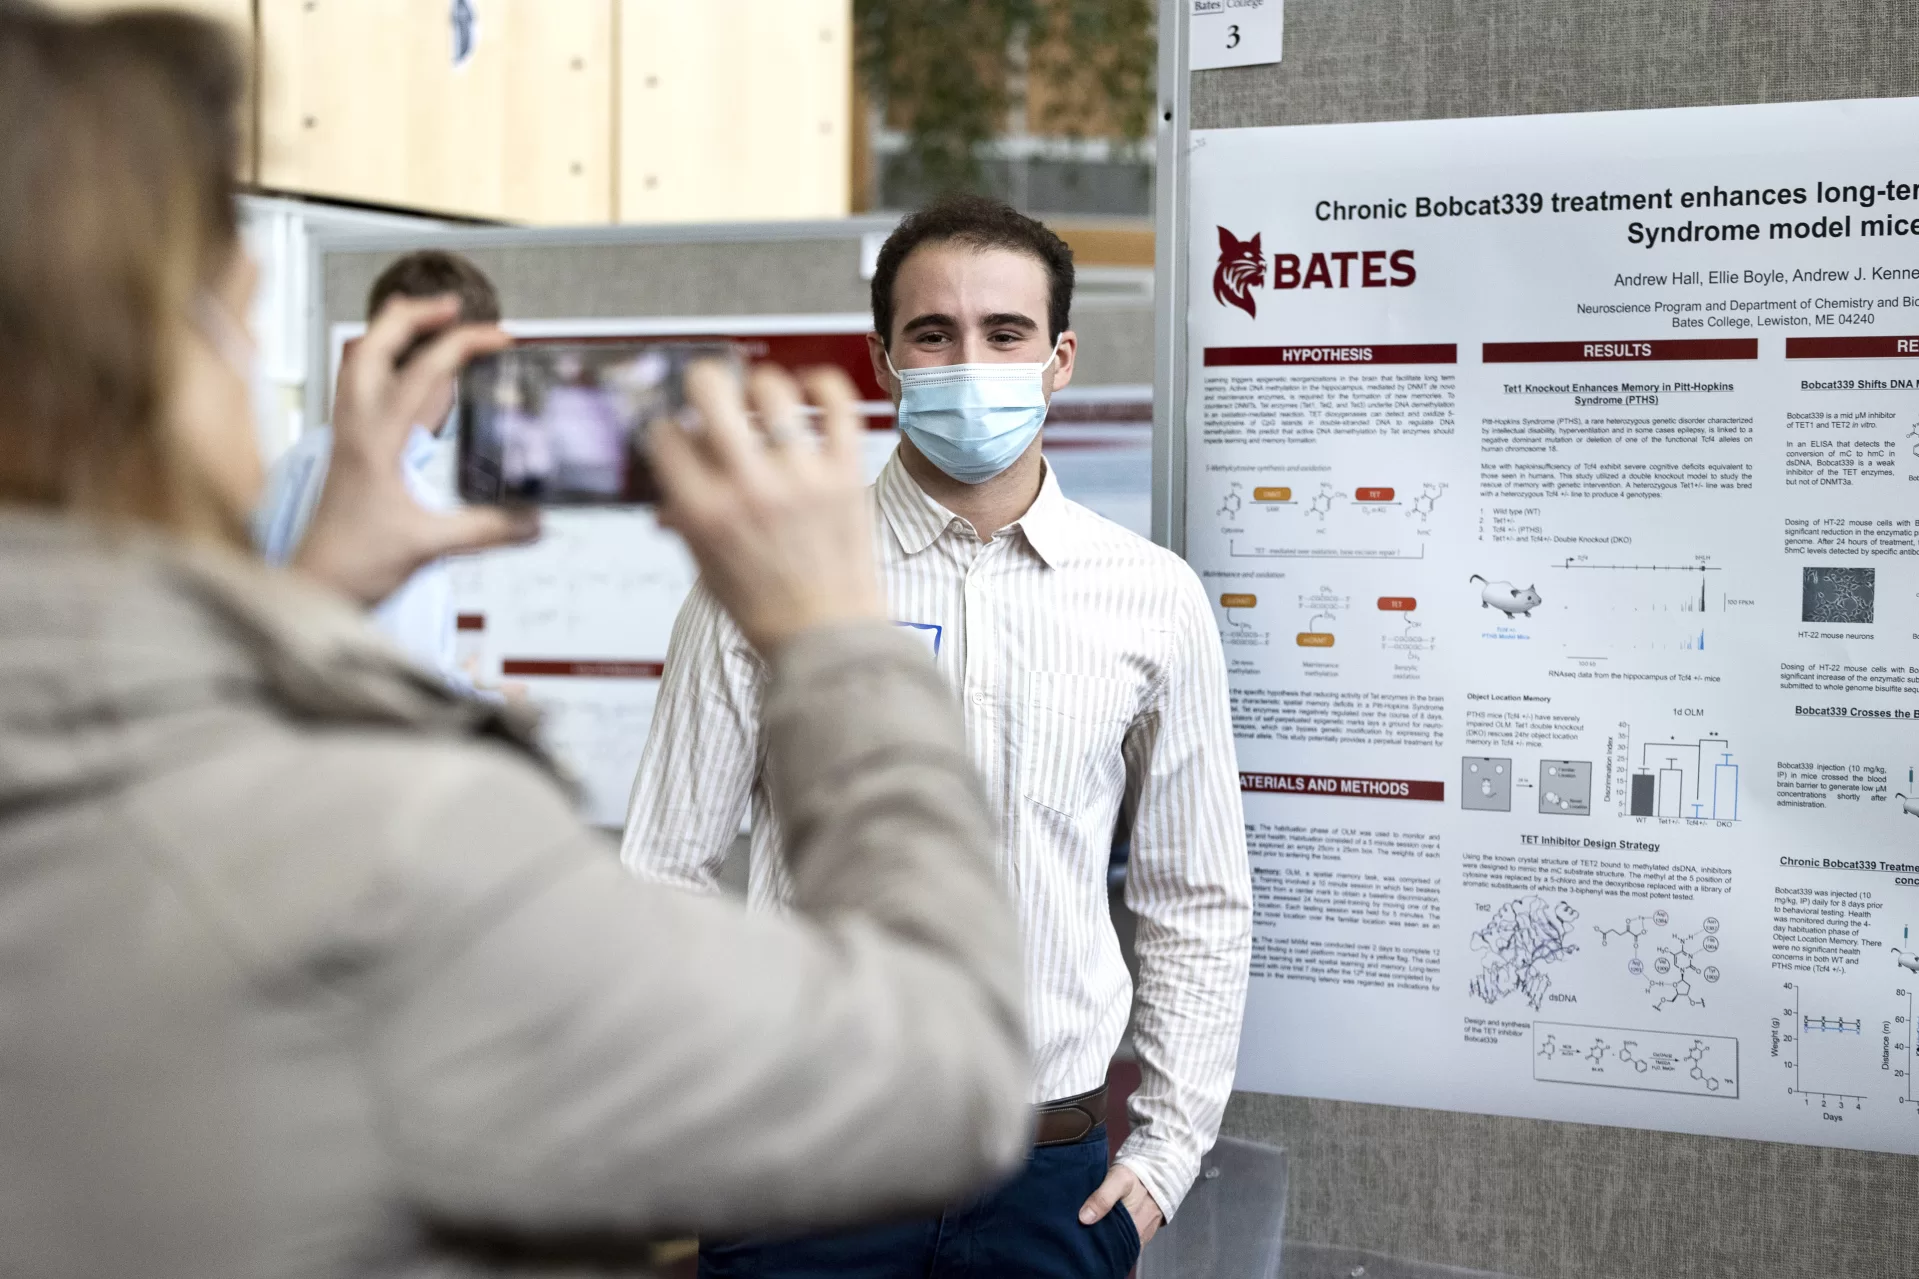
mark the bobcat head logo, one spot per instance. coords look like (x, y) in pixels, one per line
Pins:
(1241, 269)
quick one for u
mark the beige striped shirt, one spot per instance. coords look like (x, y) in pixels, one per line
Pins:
(1090, 672)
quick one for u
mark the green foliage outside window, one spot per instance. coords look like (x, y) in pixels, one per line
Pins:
(952, 73)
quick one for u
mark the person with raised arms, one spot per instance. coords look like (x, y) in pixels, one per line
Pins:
(312, 969)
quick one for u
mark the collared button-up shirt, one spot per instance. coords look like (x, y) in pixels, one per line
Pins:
(1091, 677)
(419, 616)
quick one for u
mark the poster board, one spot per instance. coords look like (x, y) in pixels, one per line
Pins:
(1551, 479)
(1458, 1187)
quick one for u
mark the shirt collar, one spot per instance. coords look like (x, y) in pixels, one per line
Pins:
(1048, 524)
(917, 520)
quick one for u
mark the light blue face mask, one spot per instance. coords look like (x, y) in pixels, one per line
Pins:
(972, 420)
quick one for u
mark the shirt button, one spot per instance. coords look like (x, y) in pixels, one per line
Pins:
(979, 696)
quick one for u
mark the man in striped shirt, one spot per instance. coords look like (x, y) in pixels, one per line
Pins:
(1093, 685)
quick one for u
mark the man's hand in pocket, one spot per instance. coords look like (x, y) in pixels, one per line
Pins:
(1121, 1186)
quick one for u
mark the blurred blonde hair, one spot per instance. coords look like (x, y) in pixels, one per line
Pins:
(118, 139)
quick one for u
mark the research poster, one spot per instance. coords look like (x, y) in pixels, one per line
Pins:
(1555, 481)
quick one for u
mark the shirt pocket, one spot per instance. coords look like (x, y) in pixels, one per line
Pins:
(1072, 729)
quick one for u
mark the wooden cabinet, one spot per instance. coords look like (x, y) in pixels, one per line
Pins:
(734, 109)
(492, 108)
(559, 130)
(554, 111)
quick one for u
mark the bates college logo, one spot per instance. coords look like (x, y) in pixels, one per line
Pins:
(1241, 269)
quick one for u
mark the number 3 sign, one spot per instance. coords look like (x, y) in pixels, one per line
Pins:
(1234, 33)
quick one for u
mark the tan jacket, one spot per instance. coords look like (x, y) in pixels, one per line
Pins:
(308, 968)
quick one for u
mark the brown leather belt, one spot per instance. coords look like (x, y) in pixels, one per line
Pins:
(1063, 1122)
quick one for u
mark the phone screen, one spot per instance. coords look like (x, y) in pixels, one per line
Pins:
(564, 423)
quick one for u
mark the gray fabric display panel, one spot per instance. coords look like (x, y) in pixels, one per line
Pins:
(553, 274)
(746, 269)
(1524, 1197)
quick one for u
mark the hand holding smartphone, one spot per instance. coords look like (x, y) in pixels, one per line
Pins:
(565, 423)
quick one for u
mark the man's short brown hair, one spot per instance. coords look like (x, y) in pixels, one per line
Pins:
(979, 223)
(427, 273)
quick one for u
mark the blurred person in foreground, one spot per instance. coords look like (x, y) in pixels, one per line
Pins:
(419, 616)
(1093, 686)
(309, 966)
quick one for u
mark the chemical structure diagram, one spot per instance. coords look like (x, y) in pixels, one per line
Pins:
(1679, 961)
(1411, 640)
(1637, 1058)
(1695, 1060)
(1422, 506)
(1633, 928)
(1913, 434)
(1321, 504)
(1676, 965)
(1622, 1057)
(1237, 631)
(1230, 508)
(1325, 602)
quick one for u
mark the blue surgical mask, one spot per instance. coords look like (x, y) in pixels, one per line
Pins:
(972, 420)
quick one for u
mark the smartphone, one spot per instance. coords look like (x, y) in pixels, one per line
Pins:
(564, 423)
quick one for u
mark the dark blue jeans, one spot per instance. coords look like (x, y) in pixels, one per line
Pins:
(1028, 1227)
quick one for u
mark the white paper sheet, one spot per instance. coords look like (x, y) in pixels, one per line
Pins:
(1235, 33)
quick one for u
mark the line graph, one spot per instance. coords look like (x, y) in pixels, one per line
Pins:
(1830, 1040)
(1904, 1023)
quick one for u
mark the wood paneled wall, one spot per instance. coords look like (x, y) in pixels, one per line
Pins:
(734, 109)
(567, 111)
(363, 99)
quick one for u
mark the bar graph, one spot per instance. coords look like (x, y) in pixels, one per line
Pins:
(1685, 781)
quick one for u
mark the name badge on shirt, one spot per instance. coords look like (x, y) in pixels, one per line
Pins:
(928, 633)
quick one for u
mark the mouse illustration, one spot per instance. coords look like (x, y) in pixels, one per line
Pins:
(1909, 803)
(1507, 598)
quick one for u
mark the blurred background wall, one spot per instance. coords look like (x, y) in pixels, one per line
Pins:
(605, 112)
(420, 119)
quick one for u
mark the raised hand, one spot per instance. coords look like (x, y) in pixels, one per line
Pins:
(368, 535)
(778, 521)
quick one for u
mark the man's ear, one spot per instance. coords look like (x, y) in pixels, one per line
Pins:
(1066, 362)
(876, 352)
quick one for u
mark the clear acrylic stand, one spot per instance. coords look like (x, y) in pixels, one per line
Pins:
(1233, 1222)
